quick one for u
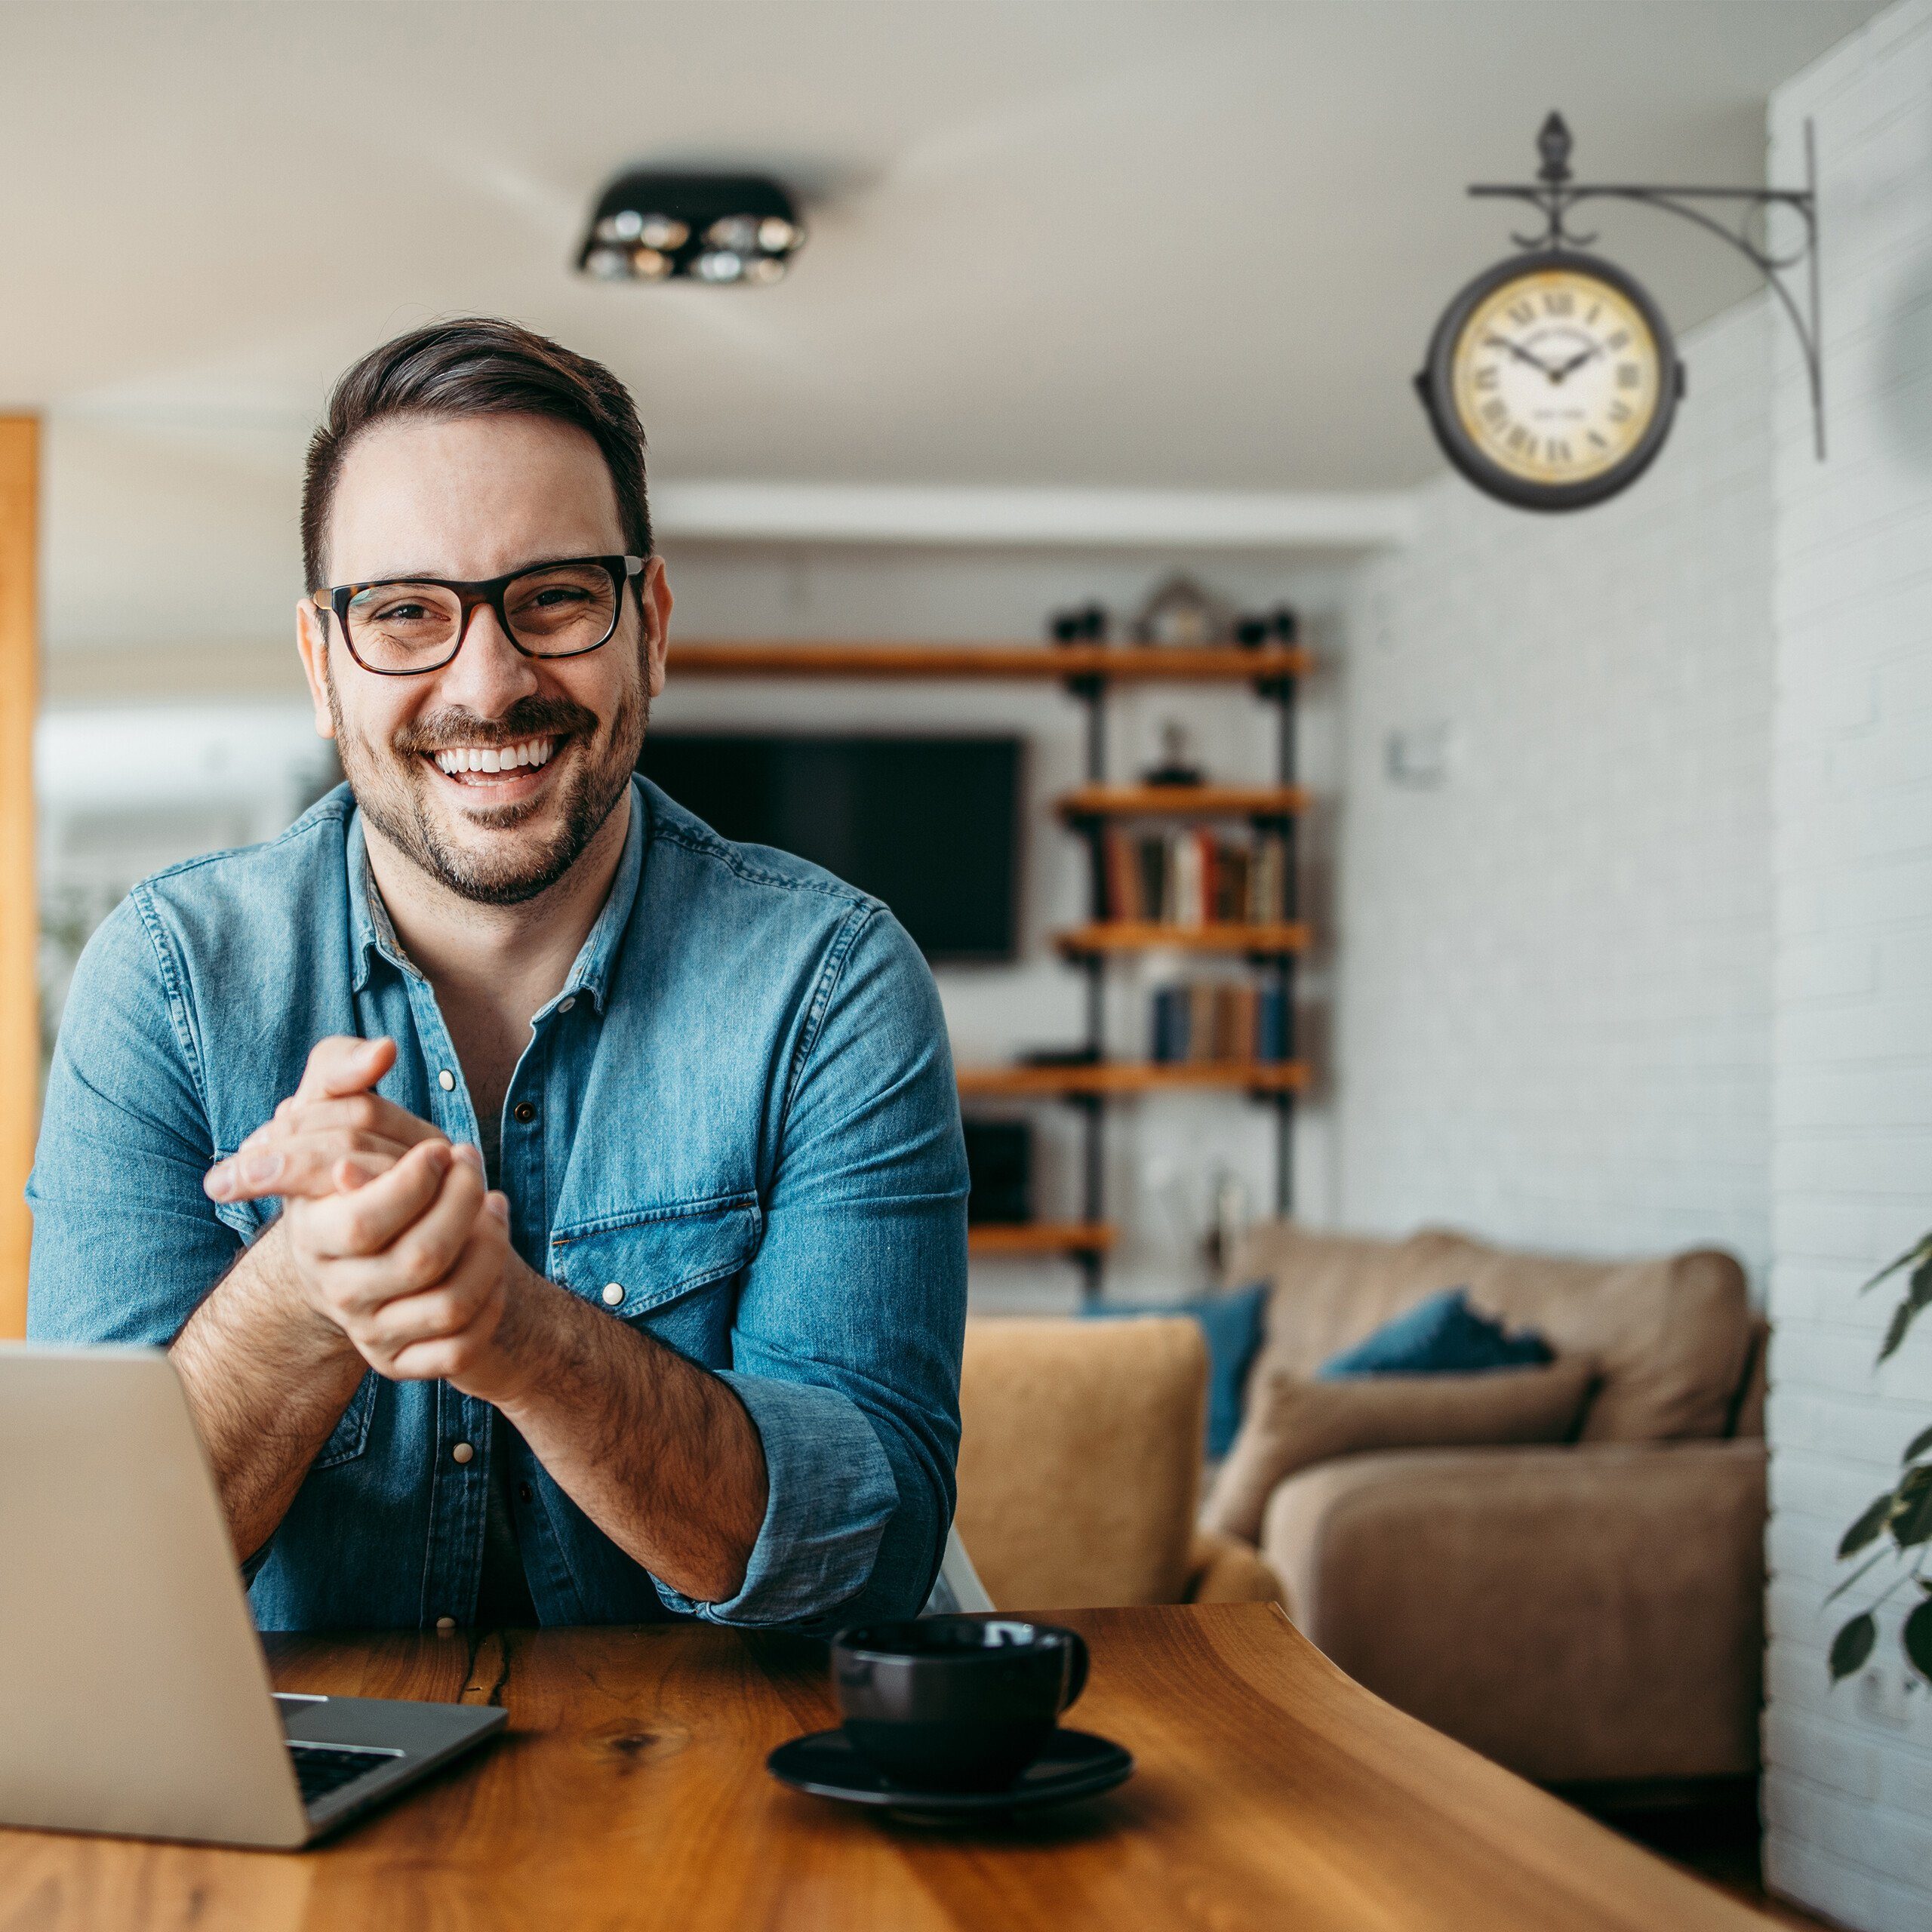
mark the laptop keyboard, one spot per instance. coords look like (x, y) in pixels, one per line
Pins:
(320, 1770)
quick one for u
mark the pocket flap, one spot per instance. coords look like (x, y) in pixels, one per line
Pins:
(650, 1257)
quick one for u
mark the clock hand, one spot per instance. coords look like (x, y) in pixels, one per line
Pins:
(1576, 362)
(1522, 354)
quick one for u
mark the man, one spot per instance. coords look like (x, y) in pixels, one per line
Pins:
(618, 1266)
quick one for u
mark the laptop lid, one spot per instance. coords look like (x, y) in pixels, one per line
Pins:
(134, 1695)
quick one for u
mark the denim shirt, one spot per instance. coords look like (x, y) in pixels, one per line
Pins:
(735, 1128)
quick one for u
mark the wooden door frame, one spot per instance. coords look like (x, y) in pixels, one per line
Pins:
(19, 904)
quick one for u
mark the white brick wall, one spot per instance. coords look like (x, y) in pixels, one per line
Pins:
(1554, 971)
(1848, 1790)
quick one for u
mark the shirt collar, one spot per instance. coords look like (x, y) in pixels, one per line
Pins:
(371, 931)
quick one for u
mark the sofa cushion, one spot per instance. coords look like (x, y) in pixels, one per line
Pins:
(1441, 1335)
(1670, 1338)
(1293, 1423)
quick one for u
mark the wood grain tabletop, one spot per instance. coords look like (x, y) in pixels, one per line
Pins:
(630, 1790)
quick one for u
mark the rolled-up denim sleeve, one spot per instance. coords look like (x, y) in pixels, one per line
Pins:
(125, 1243)
(846, 1347)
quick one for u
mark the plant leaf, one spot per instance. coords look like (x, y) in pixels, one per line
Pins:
(1918, 1299)
(1895, 1333)
(1852, 1645)
(1917, 1446)
(1917, 1638)
(1869, 1527)
(1911, 1523)
(1921, 1251)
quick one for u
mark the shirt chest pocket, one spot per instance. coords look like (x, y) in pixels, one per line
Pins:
(669, 1271)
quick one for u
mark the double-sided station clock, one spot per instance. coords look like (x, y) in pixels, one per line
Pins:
(1551, 380)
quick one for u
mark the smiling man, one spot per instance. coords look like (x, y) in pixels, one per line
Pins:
(556, 1212)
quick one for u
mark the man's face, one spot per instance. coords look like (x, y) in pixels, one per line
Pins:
(464, 500)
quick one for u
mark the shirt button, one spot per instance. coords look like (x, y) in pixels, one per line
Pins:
(444, 1624)
(523, 1113)
(462, 1452)
(525, 1493)
(614, 1292)
(446, 1080)
(565, 1005)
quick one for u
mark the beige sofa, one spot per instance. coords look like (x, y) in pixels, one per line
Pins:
(1588, 1612)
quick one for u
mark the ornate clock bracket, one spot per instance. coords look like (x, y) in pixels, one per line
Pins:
(1555, 193)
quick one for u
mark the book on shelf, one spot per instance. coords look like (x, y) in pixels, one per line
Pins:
(1203, 1021)
(1193, 877)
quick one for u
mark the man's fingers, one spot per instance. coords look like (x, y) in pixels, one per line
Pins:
(293, 1166)
(421, 1250)
(362, 1222)
(342, 1064)
(362, 1113)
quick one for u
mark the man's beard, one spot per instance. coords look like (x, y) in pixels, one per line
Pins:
(395, 799)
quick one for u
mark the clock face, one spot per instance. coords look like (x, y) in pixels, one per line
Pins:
(1551, 381)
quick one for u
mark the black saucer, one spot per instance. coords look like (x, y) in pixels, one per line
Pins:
(1074, 1763)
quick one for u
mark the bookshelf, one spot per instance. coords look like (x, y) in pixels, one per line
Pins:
(1089, 1082)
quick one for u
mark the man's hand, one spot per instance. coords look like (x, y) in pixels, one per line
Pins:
(389, 1233)
(332, 1133)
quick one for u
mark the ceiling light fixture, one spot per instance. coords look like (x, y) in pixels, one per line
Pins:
(656, 224)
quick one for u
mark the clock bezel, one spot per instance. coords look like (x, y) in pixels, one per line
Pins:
(1436, 385)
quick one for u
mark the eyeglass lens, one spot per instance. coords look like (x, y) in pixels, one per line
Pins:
(553, 612)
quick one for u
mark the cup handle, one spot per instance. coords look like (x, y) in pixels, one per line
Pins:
(1076, 1675)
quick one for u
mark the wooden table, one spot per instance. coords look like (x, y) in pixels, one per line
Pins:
(630, 1789)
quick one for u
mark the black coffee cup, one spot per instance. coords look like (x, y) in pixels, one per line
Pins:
(955, 1704)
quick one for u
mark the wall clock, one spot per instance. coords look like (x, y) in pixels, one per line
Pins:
(1552, 380)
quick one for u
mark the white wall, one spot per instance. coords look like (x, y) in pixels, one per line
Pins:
(1553, 964)
(1848, 1793)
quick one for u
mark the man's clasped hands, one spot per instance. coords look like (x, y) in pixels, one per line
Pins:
(391, 1234)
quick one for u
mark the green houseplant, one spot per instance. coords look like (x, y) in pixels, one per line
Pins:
(1902, 1516)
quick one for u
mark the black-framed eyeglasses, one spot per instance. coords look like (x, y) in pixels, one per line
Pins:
(402, 627)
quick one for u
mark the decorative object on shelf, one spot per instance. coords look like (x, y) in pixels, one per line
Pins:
(1279, 626)
(1551, 378)
(658, 225)
(1081, 623)
(1229, 1215)
(1899, 1519)
(1180, 612)
(1174, 767)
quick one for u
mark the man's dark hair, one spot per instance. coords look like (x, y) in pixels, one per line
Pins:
(477, 365)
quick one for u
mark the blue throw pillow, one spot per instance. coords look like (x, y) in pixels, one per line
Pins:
(1442, 1336)
(1231, 1323)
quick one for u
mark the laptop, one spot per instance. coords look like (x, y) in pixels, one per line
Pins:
(135, 1696)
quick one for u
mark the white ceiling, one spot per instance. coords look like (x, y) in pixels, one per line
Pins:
(1071, 242)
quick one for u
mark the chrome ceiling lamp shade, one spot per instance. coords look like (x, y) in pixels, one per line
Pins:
(656, 224)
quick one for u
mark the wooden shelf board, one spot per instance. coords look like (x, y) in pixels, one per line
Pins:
(1183, 801)
(1143, 936)
(1128, 1077)
(1125, 663)
(1039, 1238)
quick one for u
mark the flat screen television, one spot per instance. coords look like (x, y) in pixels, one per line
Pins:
(929, 825)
